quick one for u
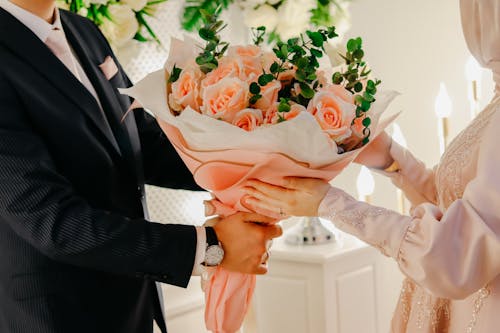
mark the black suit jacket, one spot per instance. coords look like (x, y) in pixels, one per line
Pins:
(76, 254)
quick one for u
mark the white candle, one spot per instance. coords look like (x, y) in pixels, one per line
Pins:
(365, 185)
(473, 76)
(442, 108)
(397, 136)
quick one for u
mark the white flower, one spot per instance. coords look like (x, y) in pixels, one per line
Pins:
(251, 4)
(108, 28)
(294, 17)
(62, 5)
(265, 16)
(273, 2)
(333, 51)
(136, 5)
(125, 25)
(87, 3)
(152, 10)
(83, 12)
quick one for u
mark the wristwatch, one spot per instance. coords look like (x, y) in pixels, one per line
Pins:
(214, 252)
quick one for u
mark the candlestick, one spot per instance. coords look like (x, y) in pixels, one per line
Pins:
(473, 76)
(442, 108)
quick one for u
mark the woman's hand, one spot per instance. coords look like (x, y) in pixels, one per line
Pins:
(295, 196)
(377, 153)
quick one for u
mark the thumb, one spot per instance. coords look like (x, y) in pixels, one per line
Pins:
(215, 207)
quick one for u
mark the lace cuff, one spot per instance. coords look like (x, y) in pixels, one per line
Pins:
(379, 227)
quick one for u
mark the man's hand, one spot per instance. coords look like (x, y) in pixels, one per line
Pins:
(244, 237)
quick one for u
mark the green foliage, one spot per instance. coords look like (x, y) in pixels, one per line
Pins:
(301, 53)
(355, 79)
(214, 47)
(284, 105)
(258, 35)
(192, 18)
(174, 76)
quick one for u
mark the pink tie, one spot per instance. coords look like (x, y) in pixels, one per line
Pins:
(58, 44)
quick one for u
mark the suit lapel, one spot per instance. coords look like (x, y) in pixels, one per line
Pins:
(125, 130)
(33, 51)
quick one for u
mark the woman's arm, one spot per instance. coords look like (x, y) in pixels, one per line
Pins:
(452, 253)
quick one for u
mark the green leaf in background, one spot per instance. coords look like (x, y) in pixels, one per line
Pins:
(192, 18)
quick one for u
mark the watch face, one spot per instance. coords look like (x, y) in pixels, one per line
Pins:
(214, 255)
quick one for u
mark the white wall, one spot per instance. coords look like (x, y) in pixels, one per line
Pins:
(412, 46)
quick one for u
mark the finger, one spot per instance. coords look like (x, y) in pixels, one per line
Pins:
(261, 269)
(273, 231)
(269, 190)
(293, 183)
(256, 193)
(303, 184)
(254, 217)
(215, 207)
(261, 207)
(264, 212)
(211, 222)
(209, 208)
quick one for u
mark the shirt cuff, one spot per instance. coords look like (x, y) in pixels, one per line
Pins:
(201, 246)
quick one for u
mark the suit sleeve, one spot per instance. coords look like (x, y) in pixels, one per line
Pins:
(162, 165)
(41, 206)
(453, 252)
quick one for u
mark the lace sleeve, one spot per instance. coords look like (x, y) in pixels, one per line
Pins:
(379, 227)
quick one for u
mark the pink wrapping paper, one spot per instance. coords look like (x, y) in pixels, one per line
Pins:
(228, 294)
(222, 157)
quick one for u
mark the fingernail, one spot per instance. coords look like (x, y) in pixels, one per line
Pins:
(209, 208)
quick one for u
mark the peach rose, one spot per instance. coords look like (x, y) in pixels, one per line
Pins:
(322, 79)
(271, 115)
(295, 109)
(228, 67)
(341, 92)
(267, 59)
(248, 119)
(288, 74)
(269, 95)
(358, 127)
(225, 98)
(186, 90)
(249, 57)
(333, 114)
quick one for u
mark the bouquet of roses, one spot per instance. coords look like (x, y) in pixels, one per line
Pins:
(235, 113)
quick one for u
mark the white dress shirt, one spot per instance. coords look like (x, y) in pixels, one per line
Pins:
(42, 29)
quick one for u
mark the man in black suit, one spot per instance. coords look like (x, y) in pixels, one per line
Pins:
(76, 252)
